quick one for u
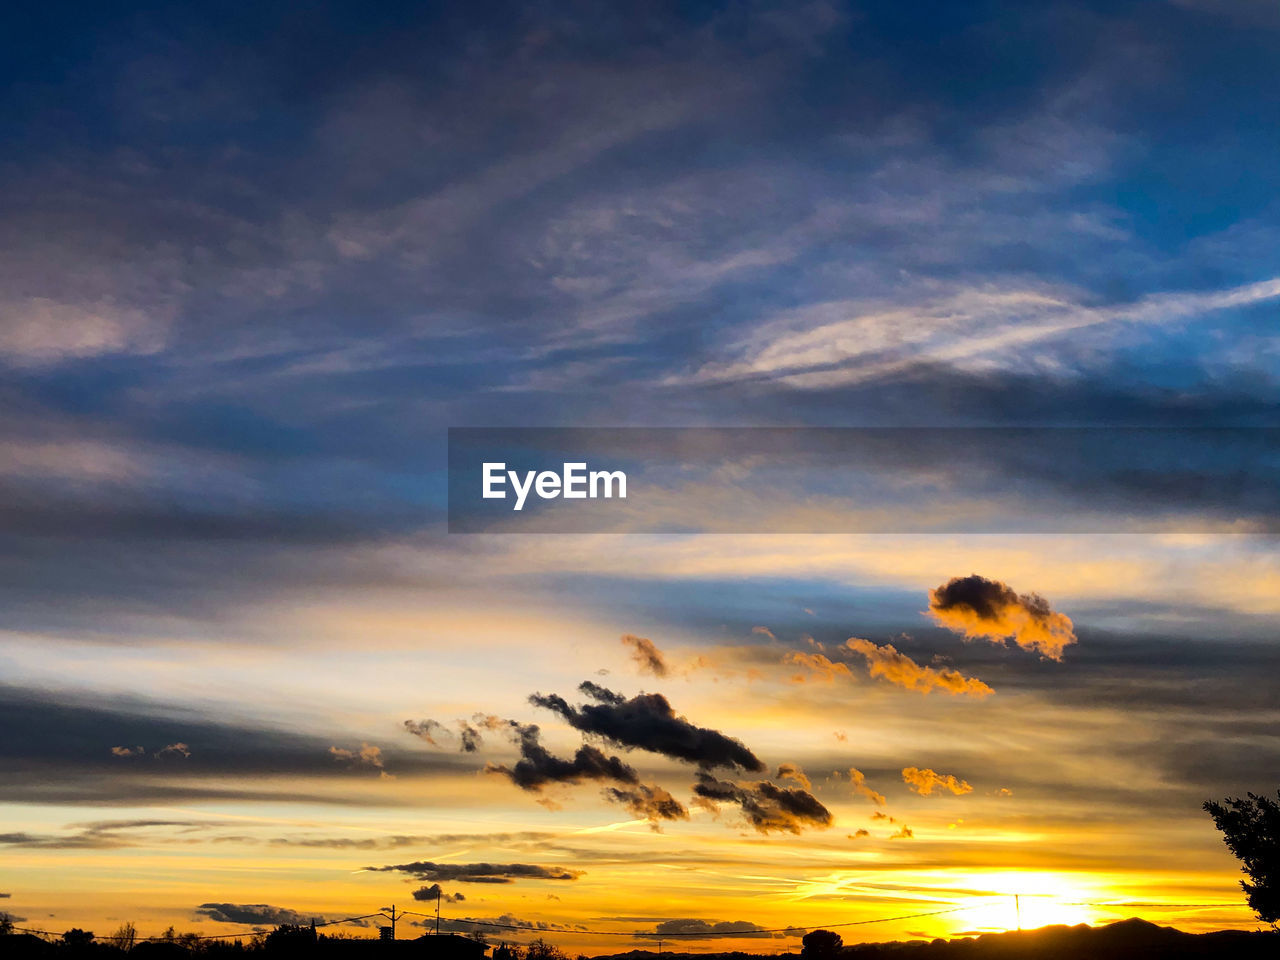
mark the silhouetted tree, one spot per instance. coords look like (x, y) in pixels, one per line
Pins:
(1251, 828)
(820, 945)
(541, 950)
(6, 925)
(291, 938)
(508, 951)
(125, 937)
(75, 937)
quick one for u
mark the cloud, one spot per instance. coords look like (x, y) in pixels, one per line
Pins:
(904, 833)
(791, 771)
(127, 751)
(99, 834)
(469, 735)
(41, 330)
(977, 607)
(478, 872)
(887, 663)
(495, 925)
(923, 781)
(843, 342)
(79, 841)
(860, 832)
(647, 722)
(693, 929)
(859, 783)
(538, 767)
(427, 730)
(60, 758)
(253, 914)
(820, 666)
(646, 655)
(435, 892)
(765, 805)
(173, 750)
(649, 801)
(367, 756)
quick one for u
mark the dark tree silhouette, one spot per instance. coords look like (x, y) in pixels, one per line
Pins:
(541, 950)
(1251, 829)
(820, 945)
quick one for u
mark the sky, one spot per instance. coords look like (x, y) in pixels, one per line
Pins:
(259, 259)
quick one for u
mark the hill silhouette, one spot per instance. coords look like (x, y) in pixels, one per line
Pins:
(1131, 939)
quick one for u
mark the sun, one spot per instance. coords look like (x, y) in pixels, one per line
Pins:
(1029, 900)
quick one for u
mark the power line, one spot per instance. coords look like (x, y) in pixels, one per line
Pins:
(697, 934)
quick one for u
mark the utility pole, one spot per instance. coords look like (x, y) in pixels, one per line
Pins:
(390, 914)
(439, 897)
(1017, 909)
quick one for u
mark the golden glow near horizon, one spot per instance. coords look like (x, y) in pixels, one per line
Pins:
(1027, 807)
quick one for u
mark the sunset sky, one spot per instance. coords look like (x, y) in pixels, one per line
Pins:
(258, 259)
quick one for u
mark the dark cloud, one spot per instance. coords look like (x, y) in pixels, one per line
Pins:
(538, 767)
(503, 924)
(479, 872)
(647, 656)
(470, 736)
(436, 892)
(106, 834)
(253, 914)
(977, 607)
(765, 805)
(647, 722)
(428, 730)
(692, 929)
(56, 748)
(396, 841)
(649, 801)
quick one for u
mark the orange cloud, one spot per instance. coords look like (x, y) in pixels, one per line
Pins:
(860, 787)
(923, 781)
(646, 655)
(792, 771)
(887, 663)
(977, 607)
(367, 756)
(821, 667)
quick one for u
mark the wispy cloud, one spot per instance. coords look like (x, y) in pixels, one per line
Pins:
(887, 663)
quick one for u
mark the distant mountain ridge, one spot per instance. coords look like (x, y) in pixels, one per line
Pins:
(1131, 939)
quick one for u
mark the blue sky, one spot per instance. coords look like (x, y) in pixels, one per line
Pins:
(259, 258)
